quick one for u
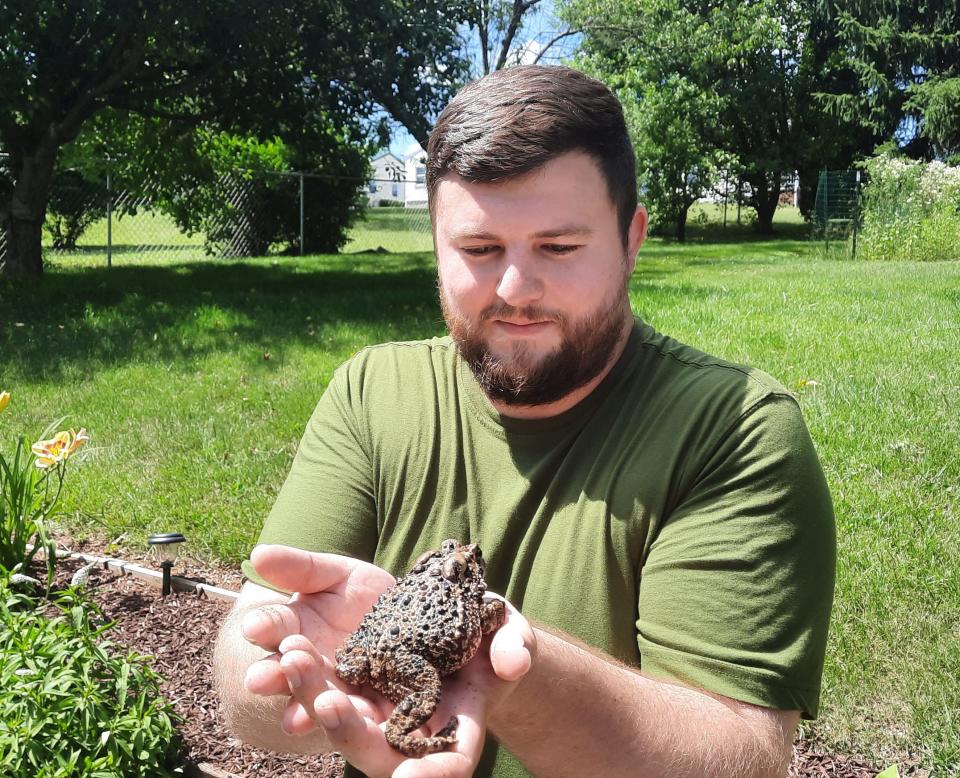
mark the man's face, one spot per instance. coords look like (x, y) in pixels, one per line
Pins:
(533, 274)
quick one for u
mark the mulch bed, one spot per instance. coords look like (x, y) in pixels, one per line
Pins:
(180, 630)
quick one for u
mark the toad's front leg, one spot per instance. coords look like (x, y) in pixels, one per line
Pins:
(414, 685)
(492, 616)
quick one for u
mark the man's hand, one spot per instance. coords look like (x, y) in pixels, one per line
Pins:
(333, 595)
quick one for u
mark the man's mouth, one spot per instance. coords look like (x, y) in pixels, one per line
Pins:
(521, 328)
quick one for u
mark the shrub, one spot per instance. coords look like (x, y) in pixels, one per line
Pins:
(75, 202)
(911, 210)
(73, 704)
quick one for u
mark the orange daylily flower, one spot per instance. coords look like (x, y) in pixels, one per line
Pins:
(58, 448)
(79, 438)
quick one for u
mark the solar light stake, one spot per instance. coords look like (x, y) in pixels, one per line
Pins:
(166, 565)
(164, 549)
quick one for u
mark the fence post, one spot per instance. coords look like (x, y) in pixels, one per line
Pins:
(301, 213)
(109, 221)
(856, 215)
(826, 211)
(726, 196)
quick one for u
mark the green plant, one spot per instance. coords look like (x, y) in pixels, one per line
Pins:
(72, 703)
(911, 210)
(76, 201)
(30, 486)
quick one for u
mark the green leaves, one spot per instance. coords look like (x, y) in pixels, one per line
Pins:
(73, 706)
(904, 57)
(25, 502)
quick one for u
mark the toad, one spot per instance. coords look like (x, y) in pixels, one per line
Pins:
(425, 627)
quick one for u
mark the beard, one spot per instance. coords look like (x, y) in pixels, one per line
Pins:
(585, 349)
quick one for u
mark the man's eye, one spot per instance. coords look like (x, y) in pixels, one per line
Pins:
(479, 251)
(560, 248)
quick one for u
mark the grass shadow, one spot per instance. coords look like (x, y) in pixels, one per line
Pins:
(97, 317)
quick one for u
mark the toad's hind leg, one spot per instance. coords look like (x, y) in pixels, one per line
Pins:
(415, 684)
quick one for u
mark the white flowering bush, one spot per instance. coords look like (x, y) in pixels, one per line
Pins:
(910, 210)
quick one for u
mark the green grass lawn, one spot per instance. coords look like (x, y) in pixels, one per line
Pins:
(196, 380)
(395, 229)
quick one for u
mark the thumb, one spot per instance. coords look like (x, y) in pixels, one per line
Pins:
(296, 570)
(513, 647)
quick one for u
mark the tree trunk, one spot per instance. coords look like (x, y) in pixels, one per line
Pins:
(682, 225)
(23, 257)
(766, 197)
(27, 209)
(809, 178)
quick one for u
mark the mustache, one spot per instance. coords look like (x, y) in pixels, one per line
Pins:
(501, 310)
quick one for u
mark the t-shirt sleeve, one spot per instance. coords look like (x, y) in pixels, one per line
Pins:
(327, 501)
(736, 592)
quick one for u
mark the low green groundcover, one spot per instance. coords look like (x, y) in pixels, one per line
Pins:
(73, 704)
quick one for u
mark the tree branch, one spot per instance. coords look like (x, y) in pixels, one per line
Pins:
(484, 31)
(520, 7)
(86, 105)
(554, 40)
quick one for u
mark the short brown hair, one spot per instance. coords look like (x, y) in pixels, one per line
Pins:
(515, 120)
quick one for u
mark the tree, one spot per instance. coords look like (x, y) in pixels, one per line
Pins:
(281, 66)
(405, 57)
(240, 191)
(906, 57)
(408, 57)
(61, 65)
(752, 64)
(676, 164)
(670, 113)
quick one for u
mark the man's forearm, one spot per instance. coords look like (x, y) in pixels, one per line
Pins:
(579, 713)
(255, 719)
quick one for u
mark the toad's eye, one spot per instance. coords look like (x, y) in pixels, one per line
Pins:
(453, 566)
(424, 558)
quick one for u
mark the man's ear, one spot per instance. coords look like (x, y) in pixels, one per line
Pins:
(636, 235)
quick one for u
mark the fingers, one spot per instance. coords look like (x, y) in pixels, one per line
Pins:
(266, 678)
(306, 674)
(268, 625)
(295, 570)
(362, 742)
(356, 736)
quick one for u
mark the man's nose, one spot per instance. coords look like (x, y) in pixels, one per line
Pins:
(519, 283)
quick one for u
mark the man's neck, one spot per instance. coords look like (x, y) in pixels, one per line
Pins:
(565, 403)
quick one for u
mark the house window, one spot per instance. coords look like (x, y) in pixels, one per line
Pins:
(421, 174)
(395, 190)
(372, 187)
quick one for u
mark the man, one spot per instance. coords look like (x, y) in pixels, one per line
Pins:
(656, 518)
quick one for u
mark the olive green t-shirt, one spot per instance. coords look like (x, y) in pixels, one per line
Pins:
(677, 518)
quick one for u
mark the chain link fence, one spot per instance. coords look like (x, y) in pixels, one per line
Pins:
(92, 219)
(837, 208)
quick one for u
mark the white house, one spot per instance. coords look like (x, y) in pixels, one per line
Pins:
(415, 175)
(386, 180)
